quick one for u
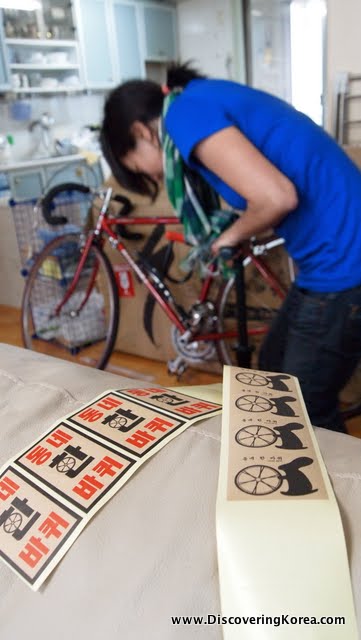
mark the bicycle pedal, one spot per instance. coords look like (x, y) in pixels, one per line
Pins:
(177, 366)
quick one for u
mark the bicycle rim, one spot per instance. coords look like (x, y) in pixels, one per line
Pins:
(259, 320)
(83, 328)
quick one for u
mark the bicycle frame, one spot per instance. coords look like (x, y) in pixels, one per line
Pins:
(104, 228)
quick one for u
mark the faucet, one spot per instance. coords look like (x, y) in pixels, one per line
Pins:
(45, 122)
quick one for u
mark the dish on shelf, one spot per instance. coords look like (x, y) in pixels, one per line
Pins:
(49, 83)
(57, 57)
(35, 57)
(71, 81)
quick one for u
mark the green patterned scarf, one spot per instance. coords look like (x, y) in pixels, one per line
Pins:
(200, 228)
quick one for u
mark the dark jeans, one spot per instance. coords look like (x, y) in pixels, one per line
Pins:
(316, 337)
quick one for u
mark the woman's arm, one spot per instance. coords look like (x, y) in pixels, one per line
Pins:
(269, 193)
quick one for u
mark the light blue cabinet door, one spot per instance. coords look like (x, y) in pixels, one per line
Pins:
(96, 44)
(127, 41)
(4, 71)
(160, 37)
(26, 185)
(79, 172)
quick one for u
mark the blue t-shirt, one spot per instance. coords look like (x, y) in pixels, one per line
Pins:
(323, 234)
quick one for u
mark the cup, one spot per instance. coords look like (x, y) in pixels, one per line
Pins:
(15, 80)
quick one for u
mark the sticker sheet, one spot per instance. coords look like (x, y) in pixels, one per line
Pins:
(51, 489)
(271, 453)
(280, 543)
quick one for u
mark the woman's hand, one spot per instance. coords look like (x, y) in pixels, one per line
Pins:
(231, 237)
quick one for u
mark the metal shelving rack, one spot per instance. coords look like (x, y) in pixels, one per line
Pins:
(348, 109)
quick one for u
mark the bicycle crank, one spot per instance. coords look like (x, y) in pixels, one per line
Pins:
(177, 366)
(201, 318)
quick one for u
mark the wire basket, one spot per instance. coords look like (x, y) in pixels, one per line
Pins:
(33, 232)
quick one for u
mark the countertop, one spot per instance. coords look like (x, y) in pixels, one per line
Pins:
(14, 165)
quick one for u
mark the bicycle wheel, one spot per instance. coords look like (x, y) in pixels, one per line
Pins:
(82, 328)
(227, 322)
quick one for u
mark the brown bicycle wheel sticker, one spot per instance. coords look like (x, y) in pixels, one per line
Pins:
(116, 423)
(256, 436)
(66, 464)
(253, 379)
(13, 522)
(253, 404)
(258, 480)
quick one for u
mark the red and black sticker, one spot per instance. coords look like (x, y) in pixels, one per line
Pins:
(75, 466)
(126, 424)
(34, 526)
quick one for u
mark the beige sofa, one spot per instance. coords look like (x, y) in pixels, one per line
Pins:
(150, 552)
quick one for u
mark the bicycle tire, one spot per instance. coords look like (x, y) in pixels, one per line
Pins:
(226, 320)
(260, 311)
(85, 328)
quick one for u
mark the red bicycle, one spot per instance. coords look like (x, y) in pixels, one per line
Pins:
(70, 304)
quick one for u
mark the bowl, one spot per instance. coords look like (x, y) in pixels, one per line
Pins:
(49, 83)
(57, 57)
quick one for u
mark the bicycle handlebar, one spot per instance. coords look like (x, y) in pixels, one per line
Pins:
(47, 204)
(47, 201)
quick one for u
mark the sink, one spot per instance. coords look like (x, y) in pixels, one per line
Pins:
(40, 155)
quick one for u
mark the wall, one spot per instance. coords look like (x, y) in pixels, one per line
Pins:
(210, 34)
(71, 113)
(343, 46)
(11, 282)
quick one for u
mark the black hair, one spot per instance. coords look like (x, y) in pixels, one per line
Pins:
(133, 100)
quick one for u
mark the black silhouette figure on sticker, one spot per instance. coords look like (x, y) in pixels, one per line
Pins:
(298, 483)
(274, 381)
(13, 517)
(122, 420)
(259, 436)
(289, 440)
(67, 461)
(168, 398)
(281, 406)
(262, 480)
(259, 404)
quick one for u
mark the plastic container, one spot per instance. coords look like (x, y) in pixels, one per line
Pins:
(6, 143)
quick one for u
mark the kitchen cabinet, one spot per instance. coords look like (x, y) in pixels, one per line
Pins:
(4, 70)
(160, 32)
(94, 25)
(32, 182)
(91, 44)
(117, 37)
(73, 172)
(127, 41)
(26, 184)
(109, 38)
(42, 66)
(41, 49)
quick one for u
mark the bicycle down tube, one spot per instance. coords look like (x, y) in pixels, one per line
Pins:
(264, 270)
